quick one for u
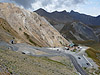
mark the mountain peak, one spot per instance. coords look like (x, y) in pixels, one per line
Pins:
(64, 11)
(41, 9)
(55, 12)
(72, 11)
(98, 16)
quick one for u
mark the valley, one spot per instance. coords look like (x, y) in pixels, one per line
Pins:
(48, 43)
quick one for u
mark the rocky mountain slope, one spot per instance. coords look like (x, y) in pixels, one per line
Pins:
(86, 19)
(55, 17)
(21, 25)
(73, 25)
(78, 31)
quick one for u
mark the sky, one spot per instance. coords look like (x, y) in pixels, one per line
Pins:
(89, 7)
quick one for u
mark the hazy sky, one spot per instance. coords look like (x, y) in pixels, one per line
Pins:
(90, 7)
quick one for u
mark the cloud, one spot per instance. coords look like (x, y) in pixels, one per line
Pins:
(78, 1)
(45, 3)
(25, 3)
(84, 6)
(52, 5)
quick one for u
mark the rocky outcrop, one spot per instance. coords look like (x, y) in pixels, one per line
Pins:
(25, 26)
(78, 31)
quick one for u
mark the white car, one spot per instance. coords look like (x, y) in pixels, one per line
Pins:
(80, 47)
(66, 48)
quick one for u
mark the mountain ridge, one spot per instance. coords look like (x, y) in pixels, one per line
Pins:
(66, 19)
(74, 15)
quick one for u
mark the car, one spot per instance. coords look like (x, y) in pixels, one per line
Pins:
(57, 49)
(87, 63)
(79, 58)
(79, 47)
(66, 48)
(25, 52)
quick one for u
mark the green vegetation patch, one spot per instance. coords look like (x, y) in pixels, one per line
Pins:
(20, 29)
(86, 43)
(96, 46)
(94, 54)
(27, 36)
(32, 42)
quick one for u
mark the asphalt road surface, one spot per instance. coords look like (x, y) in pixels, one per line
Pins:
(53, 53)
(73, 59)
(76, 65)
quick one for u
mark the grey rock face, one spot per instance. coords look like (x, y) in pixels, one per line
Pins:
(73, 25)
(79, 31)
(84, 31)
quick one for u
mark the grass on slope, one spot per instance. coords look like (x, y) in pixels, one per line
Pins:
(96, 46)
(20, 64)
(86, 43)
(90, 43)
(94, 54)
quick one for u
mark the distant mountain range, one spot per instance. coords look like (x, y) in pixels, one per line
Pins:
(86, 19)
(73, 25)
(65, 16)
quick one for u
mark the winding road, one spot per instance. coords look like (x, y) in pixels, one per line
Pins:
(51, 53)
(76, 65)
(73, 59)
